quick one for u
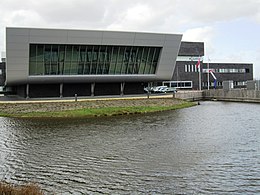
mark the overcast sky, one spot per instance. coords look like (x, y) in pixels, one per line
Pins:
(229, 28)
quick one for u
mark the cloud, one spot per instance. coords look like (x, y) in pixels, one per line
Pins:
(23, 17)
(196, 19)
(204, 11)
(144, 16)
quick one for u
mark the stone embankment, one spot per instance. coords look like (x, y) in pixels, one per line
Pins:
(235, 95)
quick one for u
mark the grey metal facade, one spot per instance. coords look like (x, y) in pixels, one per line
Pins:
(18, 42)
(191, 49)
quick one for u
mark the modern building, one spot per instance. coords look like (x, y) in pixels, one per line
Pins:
(59, 63)
(187, 75)
(62, 63)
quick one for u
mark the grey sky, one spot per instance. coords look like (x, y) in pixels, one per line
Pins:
(198, 20)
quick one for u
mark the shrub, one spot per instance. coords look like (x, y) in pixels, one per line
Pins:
(11, 189)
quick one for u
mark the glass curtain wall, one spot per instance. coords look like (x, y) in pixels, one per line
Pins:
(46, 59)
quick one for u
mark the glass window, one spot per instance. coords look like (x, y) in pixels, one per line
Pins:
(101, 59)
(132, 60)
(120, 59)
(138, 60)
(88, 59)
(55, 59)
(155, 60)
(106, 62)
(68, 59)
(61, 58)
(94, 59)
(113, 59)
(143, 60)
(127, 56)
(33, 60)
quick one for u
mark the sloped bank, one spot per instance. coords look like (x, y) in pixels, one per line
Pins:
(90, 108)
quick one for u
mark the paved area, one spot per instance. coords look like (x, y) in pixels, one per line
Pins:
(17, 99)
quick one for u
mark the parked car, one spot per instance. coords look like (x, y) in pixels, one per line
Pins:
(171, 90)
(160, 89)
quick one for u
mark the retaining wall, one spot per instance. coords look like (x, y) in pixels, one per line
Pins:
(241, 95)
(189, 95)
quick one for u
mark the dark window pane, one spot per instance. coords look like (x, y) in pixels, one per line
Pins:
(92, 59)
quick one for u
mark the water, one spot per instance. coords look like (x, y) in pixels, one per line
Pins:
(213, 148)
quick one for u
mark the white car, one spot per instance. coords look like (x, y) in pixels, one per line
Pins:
(160, 89)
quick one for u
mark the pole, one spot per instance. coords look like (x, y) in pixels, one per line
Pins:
(200, 79)
(208, 74)
(199, 74)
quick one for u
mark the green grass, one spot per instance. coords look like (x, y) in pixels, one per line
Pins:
(94, 112)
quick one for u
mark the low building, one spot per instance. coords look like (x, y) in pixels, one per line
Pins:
(239, 73)
(188, 75)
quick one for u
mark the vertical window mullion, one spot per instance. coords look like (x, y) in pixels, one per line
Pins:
(91, 60)
(64, 62)
(111, 57)
(97, 65)
(118, 52)
(51, 61)
(104, 61)
(129, 59)
(135, 61)
(44, 67)
(79, 60)
(71, 59)
(85, 59)
(58, 61)
(141, 59)
(122, 63)
(36, 60)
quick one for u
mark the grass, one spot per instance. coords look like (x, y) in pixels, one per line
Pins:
(106, 111)
(28, 189)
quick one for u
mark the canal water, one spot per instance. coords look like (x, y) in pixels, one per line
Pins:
(213, 148)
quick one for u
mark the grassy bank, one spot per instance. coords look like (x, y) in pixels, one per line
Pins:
(92, 109)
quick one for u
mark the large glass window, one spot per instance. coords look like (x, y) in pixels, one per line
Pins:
(55, 59)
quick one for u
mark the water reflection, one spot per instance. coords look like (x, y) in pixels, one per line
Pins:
(211, 148)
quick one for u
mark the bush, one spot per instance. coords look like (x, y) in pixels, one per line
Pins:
(11, 189)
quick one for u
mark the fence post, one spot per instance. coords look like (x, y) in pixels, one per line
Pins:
(76, 97)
